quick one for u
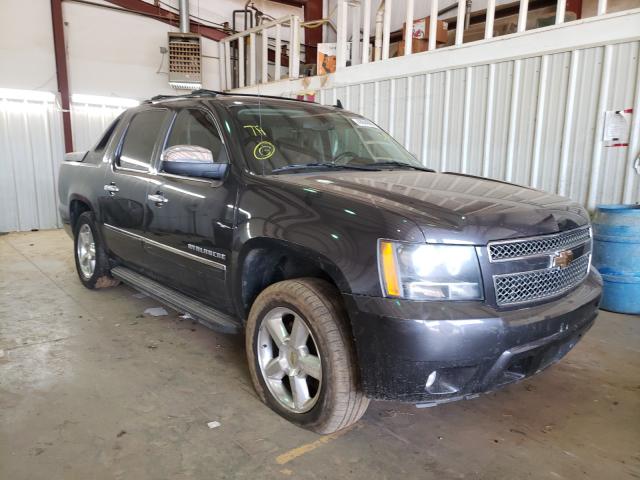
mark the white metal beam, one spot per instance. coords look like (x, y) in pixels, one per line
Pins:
(491, 13)
(386, 28)
(252, 58)
(227, 70)
(408, 29)
(460, 22)
(602, 7)
(561, 7)
(294, 47)
(278, 54)
(355, 34)
(366, 29)
(522, 15)
(222, 64)
(241, 62)
(341, 34)
(264, 66)
(433, 24)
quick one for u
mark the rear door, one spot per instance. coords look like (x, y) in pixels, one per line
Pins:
(189, 233)
(123, 198)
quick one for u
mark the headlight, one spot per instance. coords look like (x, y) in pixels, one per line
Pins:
(429, 272)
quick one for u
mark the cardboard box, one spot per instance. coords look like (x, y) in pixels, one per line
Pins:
(417, 46)
(420, 34)
(326, 57)
(421, 30)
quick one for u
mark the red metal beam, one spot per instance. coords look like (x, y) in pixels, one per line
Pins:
(169, 17)
(61, 71)
(312, 36)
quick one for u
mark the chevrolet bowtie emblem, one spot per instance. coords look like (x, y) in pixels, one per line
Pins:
(562, 259)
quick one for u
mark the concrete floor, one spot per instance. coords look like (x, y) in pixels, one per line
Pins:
(92, 388)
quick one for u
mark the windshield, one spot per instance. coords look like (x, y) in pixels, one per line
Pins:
(274, 137)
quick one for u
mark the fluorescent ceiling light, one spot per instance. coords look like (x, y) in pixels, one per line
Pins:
(185, 85)
(35, 95)
(100, 100)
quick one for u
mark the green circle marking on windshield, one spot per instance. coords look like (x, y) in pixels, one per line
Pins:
(264, 150)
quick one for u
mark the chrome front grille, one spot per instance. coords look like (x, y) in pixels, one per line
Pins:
(527, 269)
(539, 284)
(547, 244)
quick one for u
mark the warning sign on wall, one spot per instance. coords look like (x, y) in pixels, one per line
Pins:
(616, 128)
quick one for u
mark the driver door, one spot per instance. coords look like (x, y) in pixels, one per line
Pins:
(190, 223)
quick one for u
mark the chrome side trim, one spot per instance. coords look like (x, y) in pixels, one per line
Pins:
(173, 250)
(123, 232)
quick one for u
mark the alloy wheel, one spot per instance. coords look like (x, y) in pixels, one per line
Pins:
(86, 251)
(289, 360)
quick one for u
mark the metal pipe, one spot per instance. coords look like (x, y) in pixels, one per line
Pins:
(184, 16)
(467, 15)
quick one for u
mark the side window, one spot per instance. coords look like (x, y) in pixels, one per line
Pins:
(140, 139)
(193, 127)
(106, 136)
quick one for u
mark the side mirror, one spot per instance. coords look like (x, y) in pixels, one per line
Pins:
(191, 161)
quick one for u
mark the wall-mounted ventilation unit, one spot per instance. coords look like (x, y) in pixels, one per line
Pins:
(185, 61)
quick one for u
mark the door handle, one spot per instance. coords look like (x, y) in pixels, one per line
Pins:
(158, 198)
(636, 164)
(112, 188)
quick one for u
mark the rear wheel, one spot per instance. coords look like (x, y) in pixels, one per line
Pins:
(92, 262)
(301, 356)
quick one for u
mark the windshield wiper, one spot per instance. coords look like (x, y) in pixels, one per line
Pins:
(305, 166)
(399, 164)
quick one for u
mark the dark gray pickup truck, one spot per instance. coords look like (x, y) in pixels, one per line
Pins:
(353, 271)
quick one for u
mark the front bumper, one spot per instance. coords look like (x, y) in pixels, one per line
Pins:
(473, 348)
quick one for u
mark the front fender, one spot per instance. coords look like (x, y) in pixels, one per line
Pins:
(336, 232)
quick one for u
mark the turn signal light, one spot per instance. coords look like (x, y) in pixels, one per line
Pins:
(390, 275)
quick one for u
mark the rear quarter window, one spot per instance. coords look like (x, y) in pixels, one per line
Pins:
(106, 136)
(140, 139)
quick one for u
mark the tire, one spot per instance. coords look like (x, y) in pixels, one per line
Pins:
(335, 400)
(93, 268)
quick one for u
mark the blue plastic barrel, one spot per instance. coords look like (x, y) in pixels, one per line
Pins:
(616, 255)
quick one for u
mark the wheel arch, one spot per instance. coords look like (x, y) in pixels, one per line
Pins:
(78, 204)
(265, 261)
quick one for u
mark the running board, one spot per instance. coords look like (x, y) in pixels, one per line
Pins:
(207, 316)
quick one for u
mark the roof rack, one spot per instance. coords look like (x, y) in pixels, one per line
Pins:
(214, 93)
(194, 94)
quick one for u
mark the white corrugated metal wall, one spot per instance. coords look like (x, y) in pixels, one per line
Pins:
(31, 149)
(535, 121)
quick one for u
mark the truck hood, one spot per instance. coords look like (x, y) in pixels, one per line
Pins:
(450, 207)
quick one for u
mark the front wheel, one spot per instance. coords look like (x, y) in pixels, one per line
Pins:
(301, 356)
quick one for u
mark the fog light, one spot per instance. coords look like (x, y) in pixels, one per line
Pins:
(431, 378)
